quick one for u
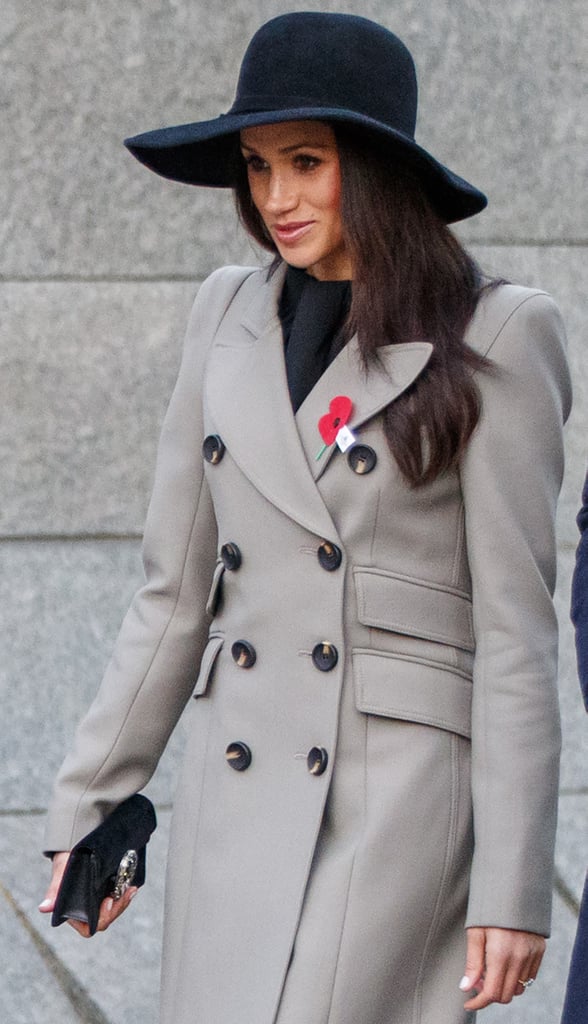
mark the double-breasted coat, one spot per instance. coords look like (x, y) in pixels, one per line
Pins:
(369, 669)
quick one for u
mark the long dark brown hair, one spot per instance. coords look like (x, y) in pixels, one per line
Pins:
(412, 281)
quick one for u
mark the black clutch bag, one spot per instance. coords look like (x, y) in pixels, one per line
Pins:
(105, 862)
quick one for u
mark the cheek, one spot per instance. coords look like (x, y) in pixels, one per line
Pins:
(336, 192)
(332, 193)
(256, 191)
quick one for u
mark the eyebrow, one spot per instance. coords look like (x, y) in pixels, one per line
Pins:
(291, 149)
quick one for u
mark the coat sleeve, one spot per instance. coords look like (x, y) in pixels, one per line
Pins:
(511, 477)
(156, 656)
(580, 596)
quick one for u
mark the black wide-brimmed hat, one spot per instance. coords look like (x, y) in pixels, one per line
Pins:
(313, 66)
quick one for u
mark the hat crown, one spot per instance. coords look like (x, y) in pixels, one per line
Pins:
(318, 66)
(336, 61)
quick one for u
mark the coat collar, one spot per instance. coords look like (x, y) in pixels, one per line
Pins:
(247, 393)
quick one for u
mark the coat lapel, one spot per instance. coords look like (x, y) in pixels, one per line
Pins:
(399, 366)
(247, 394)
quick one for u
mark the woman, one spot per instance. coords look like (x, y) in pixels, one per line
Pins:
(365, 585)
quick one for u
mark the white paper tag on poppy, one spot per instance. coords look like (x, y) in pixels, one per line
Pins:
(345, 438)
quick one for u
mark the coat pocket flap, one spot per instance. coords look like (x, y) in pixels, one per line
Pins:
(213, 601)
(416, 608)
(207, 665)
(416, 691)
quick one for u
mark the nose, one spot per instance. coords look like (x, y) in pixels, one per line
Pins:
(281, 195)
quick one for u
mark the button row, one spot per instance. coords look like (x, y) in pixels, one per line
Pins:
(239, 757)
(361, 458)
(328, 554)
(324, 655)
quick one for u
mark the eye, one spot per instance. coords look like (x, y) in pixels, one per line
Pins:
(255, 164)
(306, 162)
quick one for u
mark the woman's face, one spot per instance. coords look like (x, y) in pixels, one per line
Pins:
(295, 183)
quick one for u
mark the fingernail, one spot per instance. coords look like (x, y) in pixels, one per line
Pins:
(109, 905)
(133, 894)
(45, 905)
(465, 984)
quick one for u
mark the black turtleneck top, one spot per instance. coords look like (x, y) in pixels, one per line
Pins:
(312, 314)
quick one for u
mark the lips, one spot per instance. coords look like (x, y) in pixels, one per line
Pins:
(292, 232)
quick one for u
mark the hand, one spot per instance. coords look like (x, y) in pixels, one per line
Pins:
(109, 911)
(498, 959)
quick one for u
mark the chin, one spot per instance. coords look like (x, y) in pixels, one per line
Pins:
(300, 262)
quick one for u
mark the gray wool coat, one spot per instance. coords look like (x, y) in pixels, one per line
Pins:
(372, 748)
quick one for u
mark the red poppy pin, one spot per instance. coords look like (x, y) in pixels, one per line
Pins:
(333, 425)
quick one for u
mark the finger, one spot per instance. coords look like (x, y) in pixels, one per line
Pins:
(499, 985)
(515, 974)
(491, 986)
(111, 908)
(523, 975)
(80, 927)
(529, 972)
(475, 953)
(520, 988)
(536, 964)
(489, 990)
(106, 914)
(48, 902)
(518, 969)
(59, 864)
(109, 911)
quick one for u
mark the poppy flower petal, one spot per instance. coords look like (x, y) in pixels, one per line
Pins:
(339, 412)
(327, 429)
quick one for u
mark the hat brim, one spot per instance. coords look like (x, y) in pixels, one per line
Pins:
(203, 153)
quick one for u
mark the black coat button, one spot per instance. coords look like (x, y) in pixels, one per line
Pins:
(362, 458)
(243, 653)
(325, 656)
(213, 449)
(238, 755)
(230, 556)
(317, 760)
(329, 556)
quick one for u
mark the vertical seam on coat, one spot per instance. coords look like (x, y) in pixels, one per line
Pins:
(351, 873)
(375, 527)
(459, 541)
(447, 861)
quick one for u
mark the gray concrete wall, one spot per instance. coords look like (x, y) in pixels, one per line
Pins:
(99, 261)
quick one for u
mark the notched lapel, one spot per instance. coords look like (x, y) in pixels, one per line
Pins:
(247, 394)
(399, 366)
